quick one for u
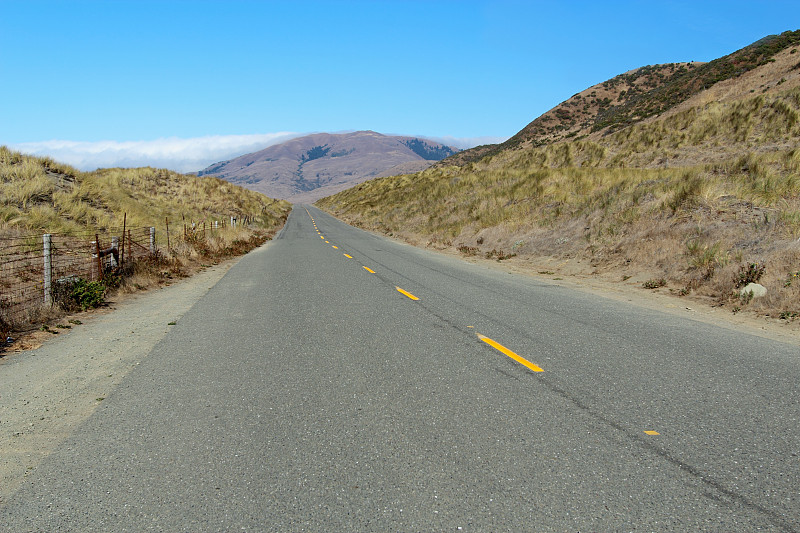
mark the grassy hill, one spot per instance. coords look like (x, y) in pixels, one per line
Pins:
(39, 194)
(640, 94)
(700, 197)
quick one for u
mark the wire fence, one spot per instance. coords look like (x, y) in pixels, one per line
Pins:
(38, 270)
(34, 267)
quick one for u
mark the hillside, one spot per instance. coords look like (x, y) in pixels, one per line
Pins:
(82, 210)
(650, 91)
(307, 168)
(39, 194)
(697, 199)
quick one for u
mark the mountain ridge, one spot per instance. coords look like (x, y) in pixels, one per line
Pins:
(297, 169)
(633, 97)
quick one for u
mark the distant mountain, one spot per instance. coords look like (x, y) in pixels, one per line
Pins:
(311, 167)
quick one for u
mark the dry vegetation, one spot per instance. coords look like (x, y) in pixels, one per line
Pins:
(39, 195)
(644, 94)
(699, 201)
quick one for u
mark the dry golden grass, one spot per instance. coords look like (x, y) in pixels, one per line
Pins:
(38, 194)
(690, 198)
(650, 93)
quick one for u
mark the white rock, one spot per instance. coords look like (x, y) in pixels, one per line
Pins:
(757, 290)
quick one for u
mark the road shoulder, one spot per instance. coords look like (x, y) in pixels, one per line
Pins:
(45, 393)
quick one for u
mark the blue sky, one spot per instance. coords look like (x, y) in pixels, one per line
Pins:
(186, 83)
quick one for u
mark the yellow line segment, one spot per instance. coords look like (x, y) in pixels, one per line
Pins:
(336, 247)
(497, 346)
(368, 269)
(652, 433)
(348, 256)
(401, 291)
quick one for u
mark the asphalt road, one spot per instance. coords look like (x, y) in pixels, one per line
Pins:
(309, 391)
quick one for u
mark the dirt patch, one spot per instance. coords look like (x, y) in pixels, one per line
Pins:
(47, 391)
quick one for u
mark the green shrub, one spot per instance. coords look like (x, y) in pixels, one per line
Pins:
(749, 273)
(73, 294)
(89, 294)
(654, 283)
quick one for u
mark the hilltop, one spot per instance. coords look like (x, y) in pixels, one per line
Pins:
(690, 186)
(40, 194)
(308, 168)
(650, 91)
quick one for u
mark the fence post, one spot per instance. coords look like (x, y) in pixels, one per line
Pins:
(166, 220)
(48, 269)
(99, 259)
(122, 251)
(152, 240)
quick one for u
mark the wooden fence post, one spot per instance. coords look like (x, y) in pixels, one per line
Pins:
(167, 222)
(48, 269)
(122, 251)
(152, 240)
(99, 259)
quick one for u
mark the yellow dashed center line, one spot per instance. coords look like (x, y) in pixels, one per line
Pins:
(321, 237)
(512, 355)
(401, 291)
(348, 256)
(336, 247)
(652, 433)
(368, 269)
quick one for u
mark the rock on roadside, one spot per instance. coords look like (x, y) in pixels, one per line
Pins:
(756, 289)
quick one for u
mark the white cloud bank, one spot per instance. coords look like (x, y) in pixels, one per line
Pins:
(181, 155)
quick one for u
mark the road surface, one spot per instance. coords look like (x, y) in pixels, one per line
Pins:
(337, 381)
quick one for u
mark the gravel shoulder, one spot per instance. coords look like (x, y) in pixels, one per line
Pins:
(46, 392)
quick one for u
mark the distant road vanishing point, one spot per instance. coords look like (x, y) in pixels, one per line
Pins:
(334, 380)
